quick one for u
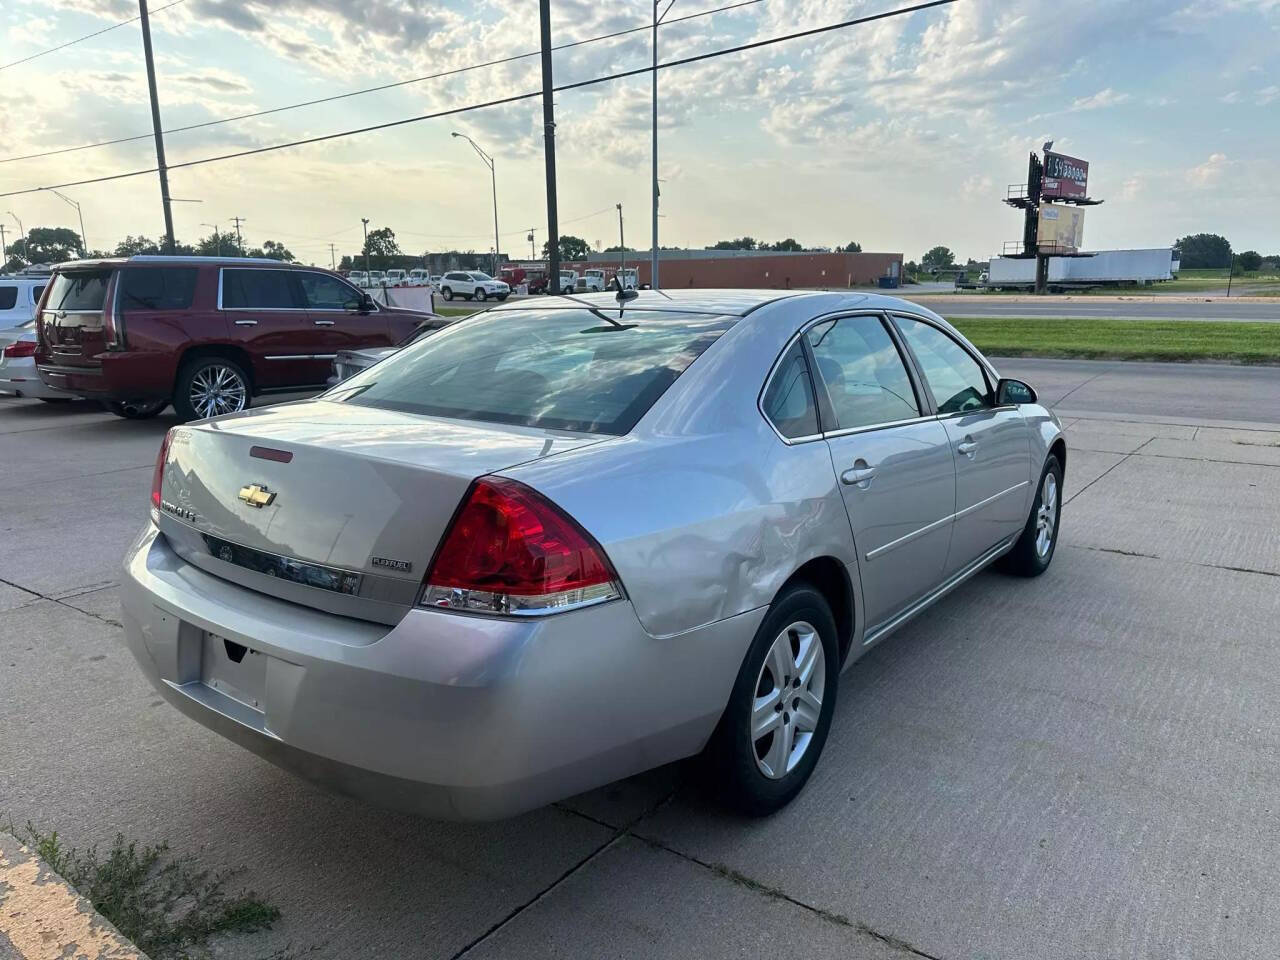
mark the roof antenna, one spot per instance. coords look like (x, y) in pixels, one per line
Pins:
(623, 294)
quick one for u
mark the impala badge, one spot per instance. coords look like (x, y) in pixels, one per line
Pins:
(256, 495)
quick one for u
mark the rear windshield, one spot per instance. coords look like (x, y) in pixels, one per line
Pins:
(556, 369)
(79, 290)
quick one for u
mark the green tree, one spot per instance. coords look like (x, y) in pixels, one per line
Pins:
(47, 245)
(741, 243)
(278, 251)
(1201, 251)
(1250, 260)
(789, 245)
(617, 249)
(851, 247)
(939, 258)
(571, 248)
(380, 247)
(132, 246)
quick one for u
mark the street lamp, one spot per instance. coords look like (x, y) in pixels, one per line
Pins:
(83, 243)
(217, 236)
(488, 162)
(365, 221)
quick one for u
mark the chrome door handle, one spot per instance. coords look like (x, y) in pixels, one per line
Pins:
(325, 323)
(246, 323)
(967, 447)
(860, 475)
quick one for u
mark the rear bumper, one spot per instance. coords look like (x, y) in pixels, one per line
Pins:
(21, 378)
(117, 375)
(447, 715)
(81, 381)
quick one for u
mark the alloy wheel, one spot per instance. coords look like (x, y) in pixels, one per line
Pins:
(788, 699)
(1047, 514)
(217, 389)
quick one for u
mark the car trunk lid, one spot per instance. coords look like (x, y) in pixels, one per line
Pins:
(74, 326)
(335, 506)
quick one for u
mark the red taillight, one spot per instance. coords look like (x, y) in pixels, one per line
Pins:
(157, 479)
(21, 348)
(510, 550)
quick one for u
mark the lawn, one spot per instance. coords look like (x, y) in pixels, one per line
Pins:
(1106, 339)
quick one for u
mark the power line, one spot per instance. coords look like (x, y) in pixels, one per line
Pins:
(500, 101)
(356, 93)
(87, 36)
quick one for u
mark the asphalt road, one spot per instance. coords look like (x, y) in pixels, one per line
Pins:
(1155, 308)
(1081, 765)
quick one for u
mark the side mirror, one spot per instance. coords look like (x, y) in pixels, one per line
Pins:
(366, 306)
(1014, 391)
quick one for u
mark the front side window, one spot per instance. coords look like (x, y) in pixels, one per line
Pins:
(863, 373)
(788, 401)
(555, 369)
(157, 288)
(258, 289)
(955, 378)
(79, 291)
(323, 292)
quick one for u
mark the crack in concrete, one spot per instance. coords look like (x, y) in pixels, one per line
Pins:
(1194, 563)
(1106, 471)
(42, 596)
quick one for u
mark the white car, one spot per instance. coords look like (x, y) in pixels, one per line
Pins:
(473, 285)
(568, 281)
(18, 298)
(18, 373)
(419, 278)
(359, 278)
(592, 281)
(377, 279)
(397, 278)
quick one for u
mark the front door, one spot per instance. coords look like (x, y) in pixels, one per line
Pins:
(332, 306)
(894, 462)
(267, 317)
(991, 445)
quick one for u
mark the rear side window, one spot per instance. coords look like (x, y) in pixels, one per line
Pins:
(260, 289)
(556, 369)
(862, 371)
(81, 290)
(8, 297)
(788, 400)
(157, 288)
(36, 292)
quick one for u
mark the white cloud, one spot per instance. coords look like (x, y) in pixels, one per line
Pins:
(1268, 95)
(1208, 173)
(1103, 98)
(1232, 97)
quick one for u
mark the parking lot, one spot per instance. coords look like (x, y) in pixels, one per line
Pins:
(1080, 765)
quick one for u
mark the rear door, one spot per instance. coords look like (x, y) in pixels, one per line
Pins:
(990, 445)
(267, 316)
(895, 466)
(332, 306)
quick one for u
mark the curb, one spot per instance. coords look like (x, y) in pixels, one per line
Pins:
(42, 917)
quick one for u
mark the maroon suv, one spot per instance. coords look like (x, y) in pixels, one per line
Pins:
(206, 334)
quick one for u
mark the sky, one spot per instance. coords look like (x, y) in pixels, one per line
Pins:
(899, 134)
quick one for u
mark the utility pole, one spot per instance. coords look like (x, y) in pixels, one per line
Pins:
(622, 254)
(155, 125)
(365, 221)
(333, 263)
(239, 239)
(1230, 272)
(653, 266)
(217, 237)
(4, 249)
(533, 247)
(549, 141)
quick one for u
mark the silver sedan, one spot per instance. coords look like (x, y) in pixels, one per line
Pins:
(554, 545)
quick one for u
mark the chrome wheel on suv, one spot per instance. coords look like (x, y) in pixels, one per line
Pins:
(211, 387)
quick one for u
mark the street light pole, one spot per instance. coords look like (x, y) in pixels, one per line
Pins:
(488, 162)
(217, 237)
(84, 244)
(365, 221)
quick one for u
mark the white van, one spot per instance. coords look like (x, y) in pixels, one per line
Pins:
(18, 298)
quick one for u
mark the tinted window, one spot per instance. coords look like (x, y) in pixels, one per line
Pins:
(788, 400)
(558, 369)
(79, 290)
(157, 288)
(257, 288)
(35, 293)
(324, 292)
(862, 371)
(955, 379)
(8, 298)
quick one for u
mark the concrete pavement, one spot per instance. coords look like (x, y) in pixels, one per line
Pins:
(1258, 310)
(1081, 765)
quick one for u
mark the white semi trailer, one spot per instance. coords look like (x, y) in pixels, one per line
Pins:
(1103, 268)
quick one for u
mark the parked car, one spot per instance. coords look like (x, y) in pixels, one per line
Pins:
(397, 278)
(350, 362)
(203, 333)
(550, 546)
(18, 375)
(472, 285)
(358, 278)
(19, 295)
(591, 281)
(419, 277)
(568, 281)
(376, 279)
(435, 280)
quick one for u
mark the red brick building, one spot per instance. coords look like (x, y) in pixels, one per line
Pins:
(755, 269)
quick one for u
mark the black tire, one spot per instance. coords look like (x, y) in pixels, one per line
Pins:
(1026, 559)
(135, 409)
(733, 758)
(502, 296)
(446, 293)
(238, 396)
(480, 295)
(55, 399)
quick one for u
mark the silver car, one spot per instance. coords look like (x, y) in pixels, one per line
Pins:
(554, 545)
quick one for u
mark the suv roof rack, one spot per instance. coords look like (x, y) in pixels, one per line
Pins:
(164, 256)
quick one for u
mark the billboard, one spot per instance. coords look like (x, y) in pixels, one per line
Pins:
(1060, 228)
(1064, 177)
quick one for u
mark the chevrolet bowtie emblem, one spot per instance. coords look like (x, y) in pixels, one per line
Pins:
(256, 495)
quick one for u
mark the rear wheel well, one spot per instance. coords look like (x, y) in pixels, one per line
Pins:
(830, 578)
(236, 355)
(1059, 449)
